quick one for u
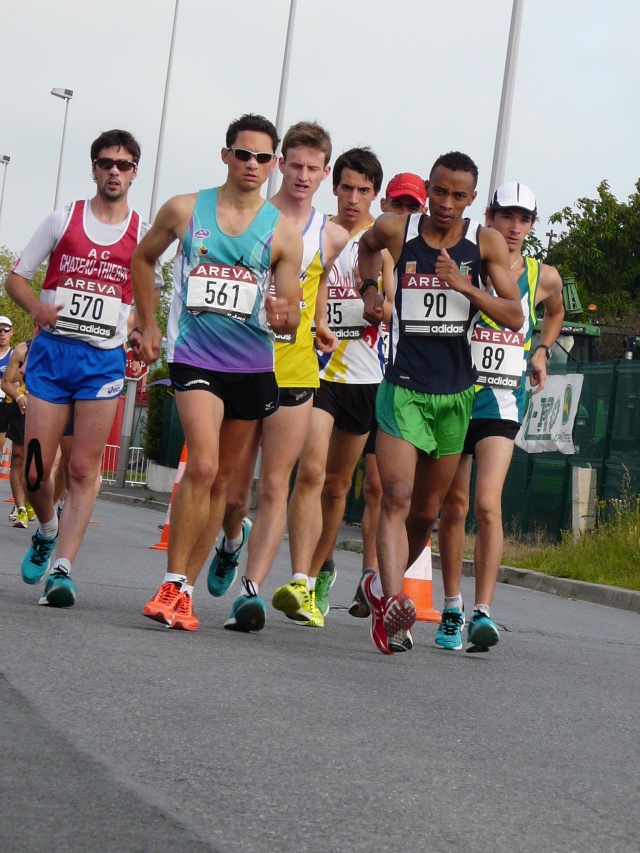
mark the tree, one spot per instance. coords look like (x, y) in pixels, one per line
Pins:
(601, 250)
(22, 322)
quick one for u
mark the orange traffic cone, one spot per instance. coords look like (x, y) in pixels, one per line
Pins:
(5, 466)
(418, 586)
(164, 538)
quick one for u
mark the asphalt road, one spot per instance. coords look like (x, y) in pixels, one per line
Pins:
(120, 735)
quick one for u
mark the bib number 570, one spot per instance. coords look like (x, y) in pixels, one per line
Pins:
(85, 305)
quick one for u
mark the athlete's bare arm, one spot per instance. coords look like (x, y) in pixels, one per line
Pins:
(387, 232)
(20, 291)
(283, 309)
(334, 239)
(12, 377)
(170, 224)
(550, 294)
(507, 310)
(388, 267)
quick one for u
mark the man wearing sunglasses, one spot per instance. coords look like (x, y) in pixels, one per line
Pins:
(304, 163)
(77, 362)
(6, 331)
(234, 247)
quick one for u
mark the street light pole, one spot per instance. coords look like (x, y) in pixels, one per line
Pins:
(5, 162)
(154, 189)
(66, 95)
(504, 116)
(284, 82)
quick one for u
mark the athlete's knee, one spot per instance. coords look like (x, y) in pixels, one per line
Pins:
(372, 490)
(310, 474)
(455, 508)
(273, 487)
(336, 486)
(396, 496)
(201, 471)
(488, 510)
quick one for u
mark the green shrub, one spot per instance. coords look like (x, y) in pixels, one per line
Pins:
(156, 394)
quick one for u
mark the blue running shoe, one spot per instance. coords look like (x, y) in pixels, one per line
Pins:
(59, 590)
(449, 633)
(36, 561)
(482, 631)
(248, 612)
(224, 566)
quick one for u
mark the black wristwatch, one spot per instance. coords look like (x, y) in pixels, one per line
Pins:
(368, 282)
(545, 348)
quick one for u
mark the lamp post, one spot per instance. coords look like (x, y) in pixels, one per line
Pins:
(66, 95)
(5, 162)
(284, 83)
(156, 174)
(506, 100)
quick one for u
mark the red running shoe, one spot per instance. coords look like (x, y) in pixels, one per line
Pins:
(399, 614)
(164, 603)
(184, 617)
(376, 606)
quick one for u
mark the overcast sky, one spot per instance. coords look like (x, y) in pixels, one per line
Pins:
(410, 78)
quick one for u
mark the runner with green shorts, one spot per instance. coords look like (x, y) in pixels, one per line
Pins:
(424, 403)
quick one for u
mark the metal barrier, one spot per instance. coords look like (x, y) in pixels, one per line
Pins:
(136, 467)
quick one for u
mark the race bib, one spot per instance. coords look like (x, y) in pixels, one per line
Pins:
(344, 313)
(222, 289)
(88, 307)
(431, 307)
(498, 356)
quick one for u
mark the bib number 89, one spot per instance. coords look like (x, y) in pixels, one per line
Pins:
(488, 356)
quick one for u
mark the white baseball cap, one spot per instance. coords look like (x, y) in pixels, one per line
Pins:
(5, 321)
(514, 195)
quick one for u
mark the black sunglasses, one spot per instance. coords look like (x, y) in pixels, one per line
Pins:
(262, 157)
(108, 163)
(5, 331)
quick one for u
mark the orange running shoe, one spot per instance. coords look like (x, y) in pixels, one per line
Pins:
(164, 603)
(184, 617)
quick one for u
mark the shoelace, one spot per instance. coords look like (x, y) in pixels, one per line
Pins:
(225, 563)
(249, 587)
(167, 592)
(41, 550)
(185, 605)
(451, 622)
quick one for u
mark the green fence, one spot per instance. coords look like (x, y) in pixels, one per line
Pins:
(537, 492)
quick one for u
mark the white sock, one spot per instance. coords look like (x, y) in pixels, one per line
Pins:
(231, 545)
(483, 608)
(454, 601)
(299, 576)
(50, 529)
(311, 583)
(62, 565)
(376, 586)
(173, 578)
(188, 588)
(251, 586)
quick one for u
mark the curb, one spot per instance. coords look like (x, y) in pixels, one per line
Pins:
(134, 500)
(610, 596)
